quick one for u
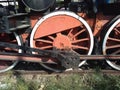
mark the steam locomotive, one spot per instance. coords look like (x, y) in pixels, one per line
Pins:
(68, 27)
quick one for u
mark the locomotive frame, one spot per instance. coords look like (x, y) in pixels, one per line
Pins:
(83, 30)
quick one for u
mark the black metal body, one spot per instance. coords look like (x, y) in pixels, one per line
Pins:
(39, 5)
(15, 22)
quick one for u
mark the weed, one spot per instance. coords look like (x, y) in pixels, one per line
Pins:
(95, 81)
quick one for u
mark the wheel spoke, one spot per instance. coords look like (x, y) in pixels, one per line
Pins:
(45, 41)
(78, 33)
(116, 52)
(113, 46)
(81, 40)
(51, 37)
(79, 47)
(70, 32)
(46, 47)
(117, 30)
(114, 39)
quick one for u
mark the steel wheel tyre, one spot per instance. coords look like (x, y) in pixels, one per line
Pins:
(16, 39)
(62, 30)
(111, 42)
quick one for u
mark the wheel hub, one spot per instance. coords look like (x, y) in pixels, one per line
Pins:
(62, 42)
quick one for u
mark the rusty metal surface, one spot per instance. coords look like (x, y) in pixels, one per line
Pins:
(100, 57)
(39, 59)
(24, 58)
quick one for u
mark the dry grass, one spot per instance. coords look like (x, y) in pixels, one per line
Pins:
(96, 81)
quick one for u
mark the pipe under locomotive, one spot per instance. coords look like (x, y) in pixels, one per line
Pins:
(67, 28)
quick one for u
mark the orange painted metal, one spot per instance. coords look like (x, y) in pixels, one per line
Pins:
(100, 22)
(56, 24)
(62, 42)
(34, 19)
(97, 23)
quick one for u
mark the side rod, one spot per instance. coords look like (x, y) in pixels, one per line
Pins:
(41, 59)
(28, 58)
(100, 57)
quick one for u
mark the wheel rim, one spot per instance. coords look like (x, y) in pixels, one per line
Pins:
(8, 65)
(76, 35)
(111, 43)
